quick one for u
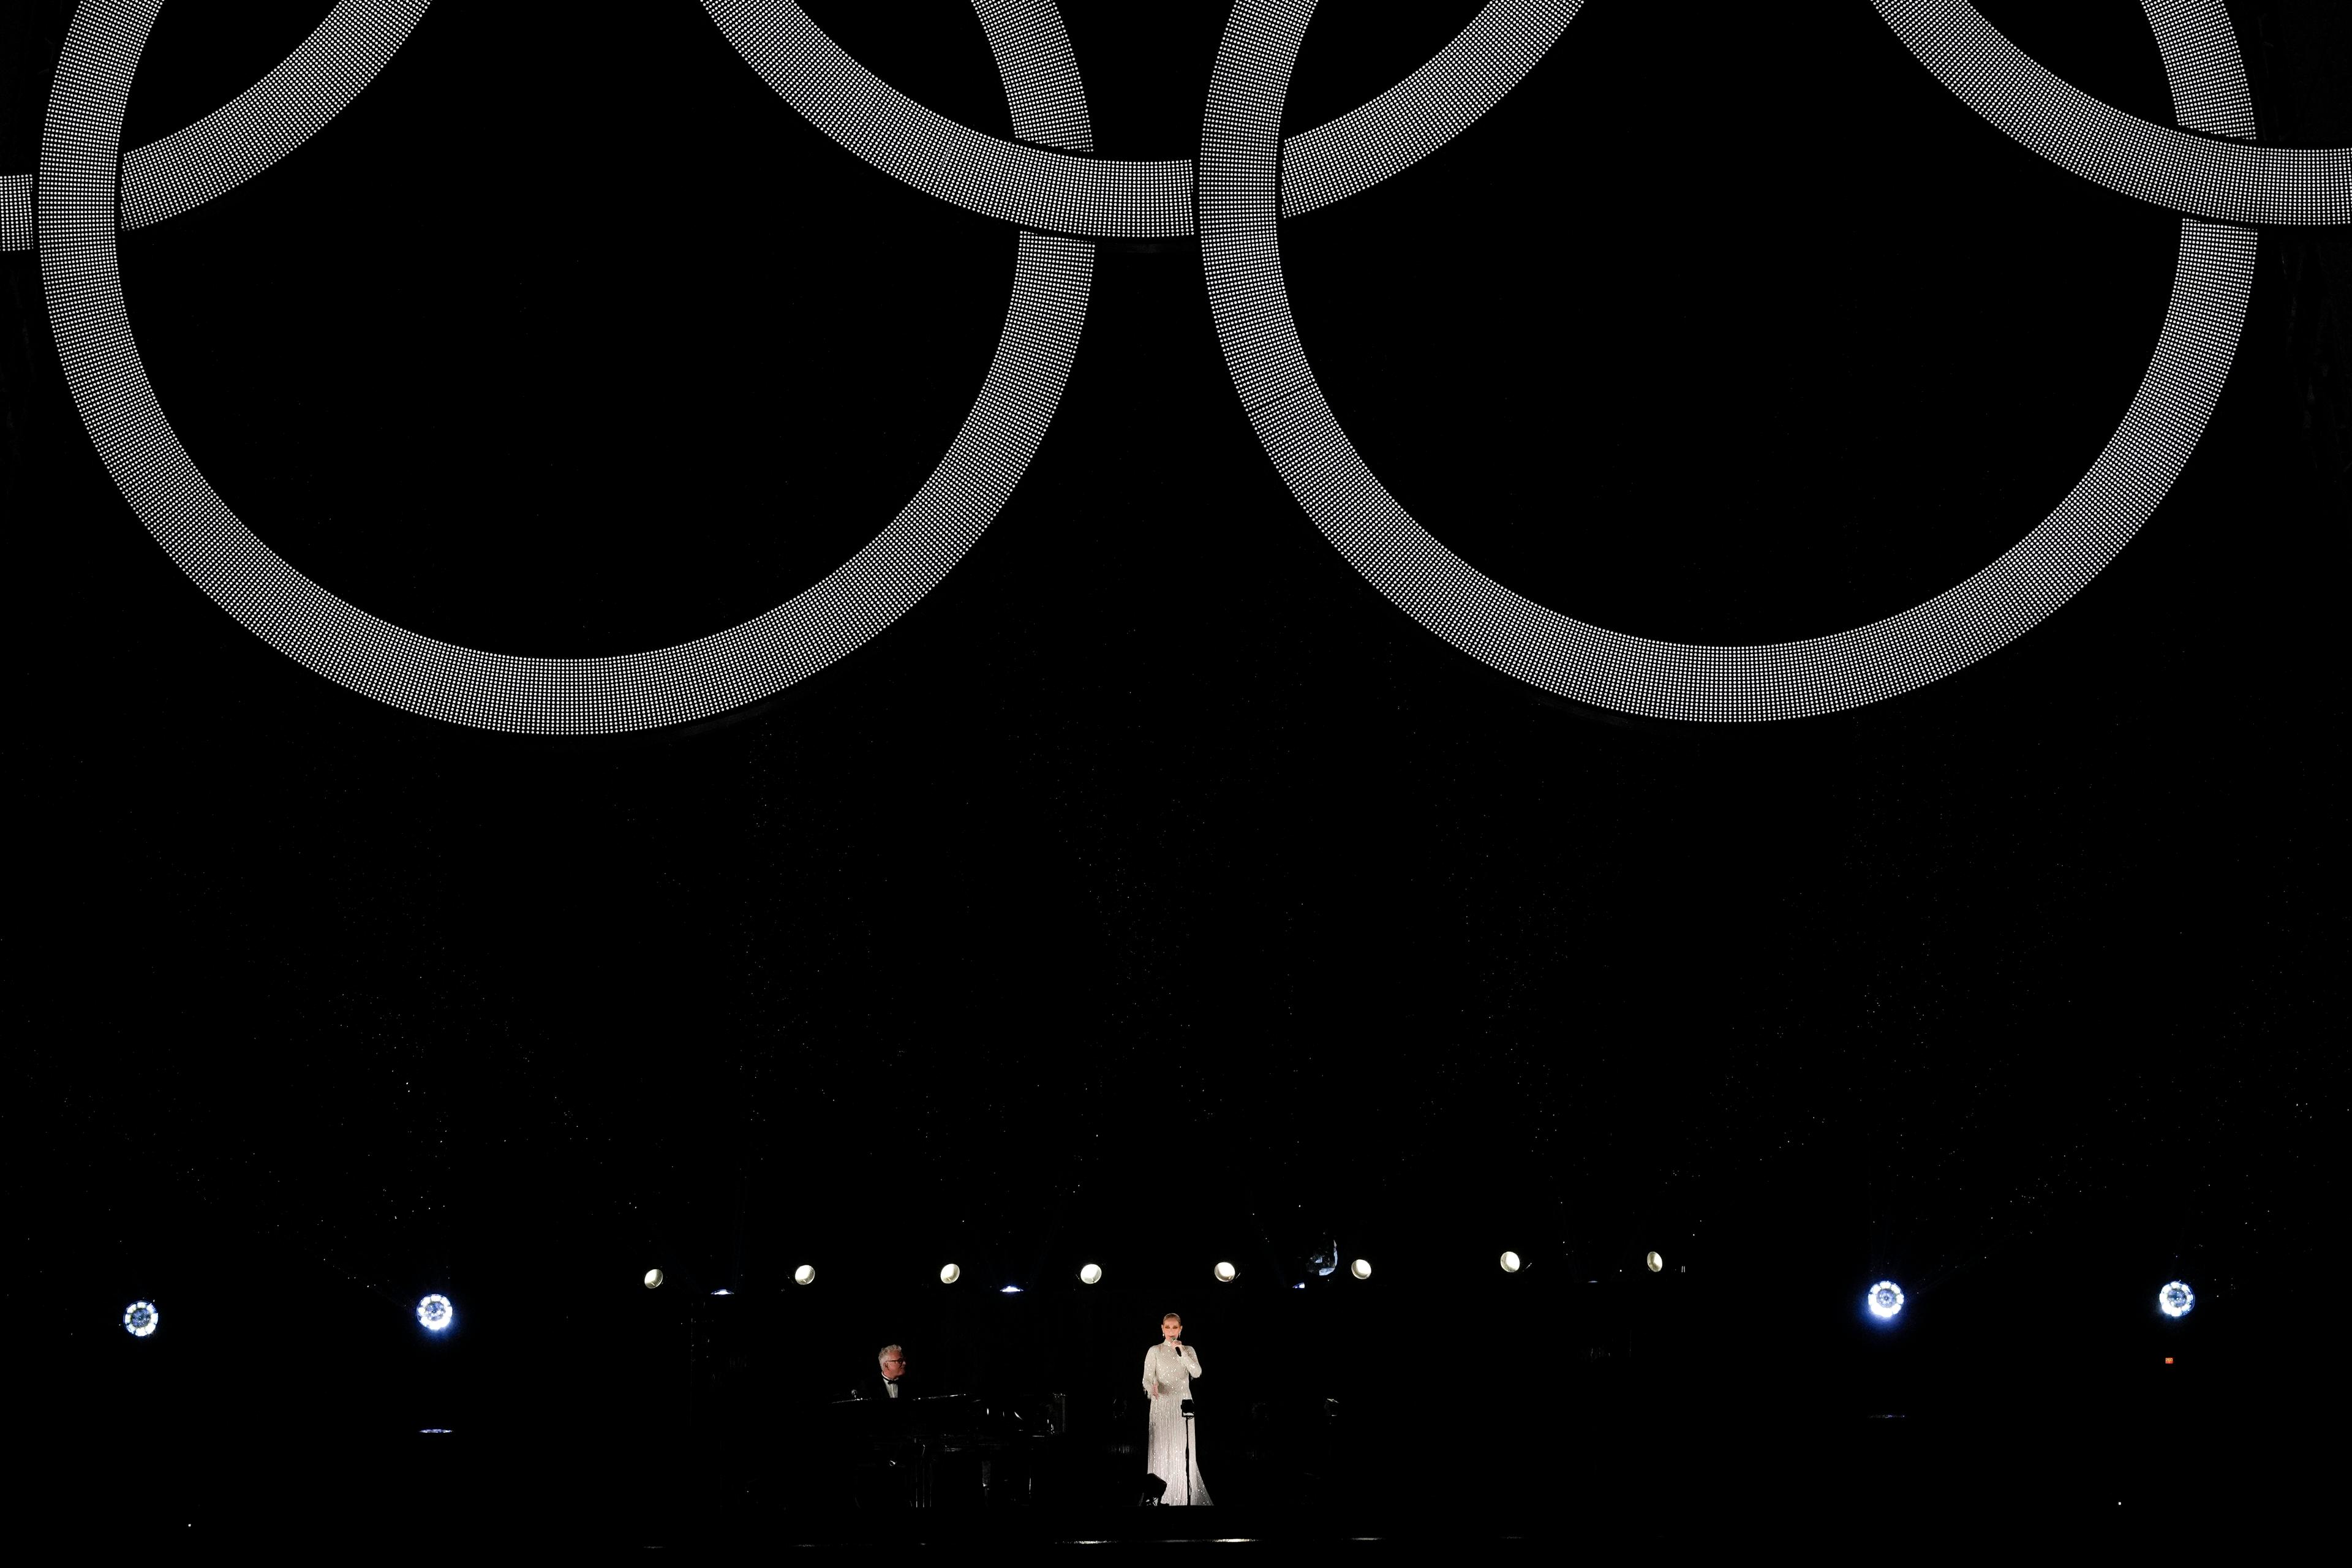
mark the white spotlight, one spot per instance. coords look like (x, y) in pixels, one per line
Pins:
(2174, 1300)
(1226, 1272)
(1361, 1269)
(1657, 1264)
(1091, 1274)
(1010, 1290)
(951, 1274)
(804, 1275)
(1510, 1263)
(653, 1278)
(1886, 1300)
(436, 1313)
(140, 1318)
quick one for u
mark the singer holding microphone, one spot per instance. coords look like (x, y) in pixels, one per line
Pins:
(1169, 1369)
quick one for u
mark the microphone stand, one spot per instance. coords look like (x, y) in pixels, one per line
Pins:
(1185, 1410)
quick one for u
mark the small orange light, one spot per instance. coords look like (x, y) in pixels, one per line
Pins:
(2168, 1360)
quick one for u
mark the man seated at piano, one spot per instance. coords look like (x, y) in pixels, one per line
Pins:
(889, 1384)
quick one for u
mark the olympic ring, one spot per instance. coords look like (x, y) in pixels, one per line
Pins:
(81, 274)
(1246, 178)
(1241, 255)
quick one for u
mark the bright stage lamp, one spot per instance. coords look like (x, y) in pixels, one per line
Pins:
(1510, 1263)
(2174, 1300)
(653, 1278)
(436, 1313)
(140, 1320)
(804, 1275)
(951, 1274)
(1886, 1300)
(1361, 1269)
(1090, 1274)
(1226, 1272)
(1657, 1264)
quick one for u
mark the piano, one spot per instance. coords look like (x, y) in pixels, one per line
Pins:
(912, 1436)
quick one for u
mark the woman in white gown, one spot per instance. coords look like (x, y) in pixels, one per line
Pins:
(1169, 1369)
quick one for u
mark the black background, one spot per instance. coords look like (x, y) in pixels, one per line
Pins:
(1155, 892)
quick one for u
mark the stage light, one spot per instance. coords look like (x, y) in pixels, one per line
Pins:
(1010, 1290)
(653, 1278)
(1657, 1264)
(1510, 1263)
(804, 1275)
(1886, 1300)
(1091, 1274)
(140, 1319)
(951, 1274)
(2174, 1300)
(1226, 1272)
(436, 1313)
(1361, 1269)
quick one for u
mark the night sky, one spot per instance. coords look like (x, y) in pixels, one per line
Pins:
(1156, 890)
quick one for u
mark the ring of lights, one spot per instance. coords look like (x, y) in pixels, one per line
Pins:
(1240, 203)
(1246, 178)
(81, 269)
(141, 1320)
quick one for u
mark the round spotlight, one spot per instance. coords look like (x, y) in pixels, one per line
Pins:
(1361, 1269)
(951, 1274)
(1091, 1274)
(804, 1275)
(436, 1313)
(1657, 1264)
(140, 1318)
(653, 1278)
(2174, 1300)
(1510, 1263)
(1884, 1299)
(1226, 1272)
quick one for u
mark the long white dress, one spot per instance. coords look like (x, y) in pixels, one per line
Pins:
(1173, 1372)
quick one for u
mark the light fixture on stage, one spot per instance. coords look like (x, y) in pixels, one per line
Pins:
(140, 1319)
(1886, 1300)
(653, 1278)
(951, 1274)
(1361, 1269)
(1510, 1263)
(804, 1275)
(436, 1313)
(1090, 1274)
(2174, 1300)
(1226, 1272)
(1010, 1290)
(1657, 1264)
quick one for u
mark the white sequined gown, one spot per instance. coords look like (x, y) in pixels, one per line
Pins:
(1174, 1372)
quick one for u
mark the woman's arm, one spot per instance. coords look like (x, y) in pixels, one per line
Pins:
(1192, 1361)
(1150, 1387)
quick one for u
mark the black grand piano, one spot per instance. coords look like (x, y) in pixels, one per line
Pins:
(923, 1450)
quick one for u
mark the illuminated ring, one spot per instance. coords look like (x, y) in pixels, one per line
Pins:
(2199, 176)
(249, 133)
(1241, 255)
(81, 274)
(1040, 188)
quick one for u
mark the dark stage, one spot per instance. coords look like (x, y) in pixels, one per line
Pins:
(1162, 887)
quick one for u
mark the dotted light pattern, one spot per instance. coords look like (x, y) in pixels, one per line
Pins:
(2175, 1300)
(436, 1312)
(1884, 1299)
(1241, 254)
(81, 270)
(2204, 175)
(251, 132)
(141, 1318)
